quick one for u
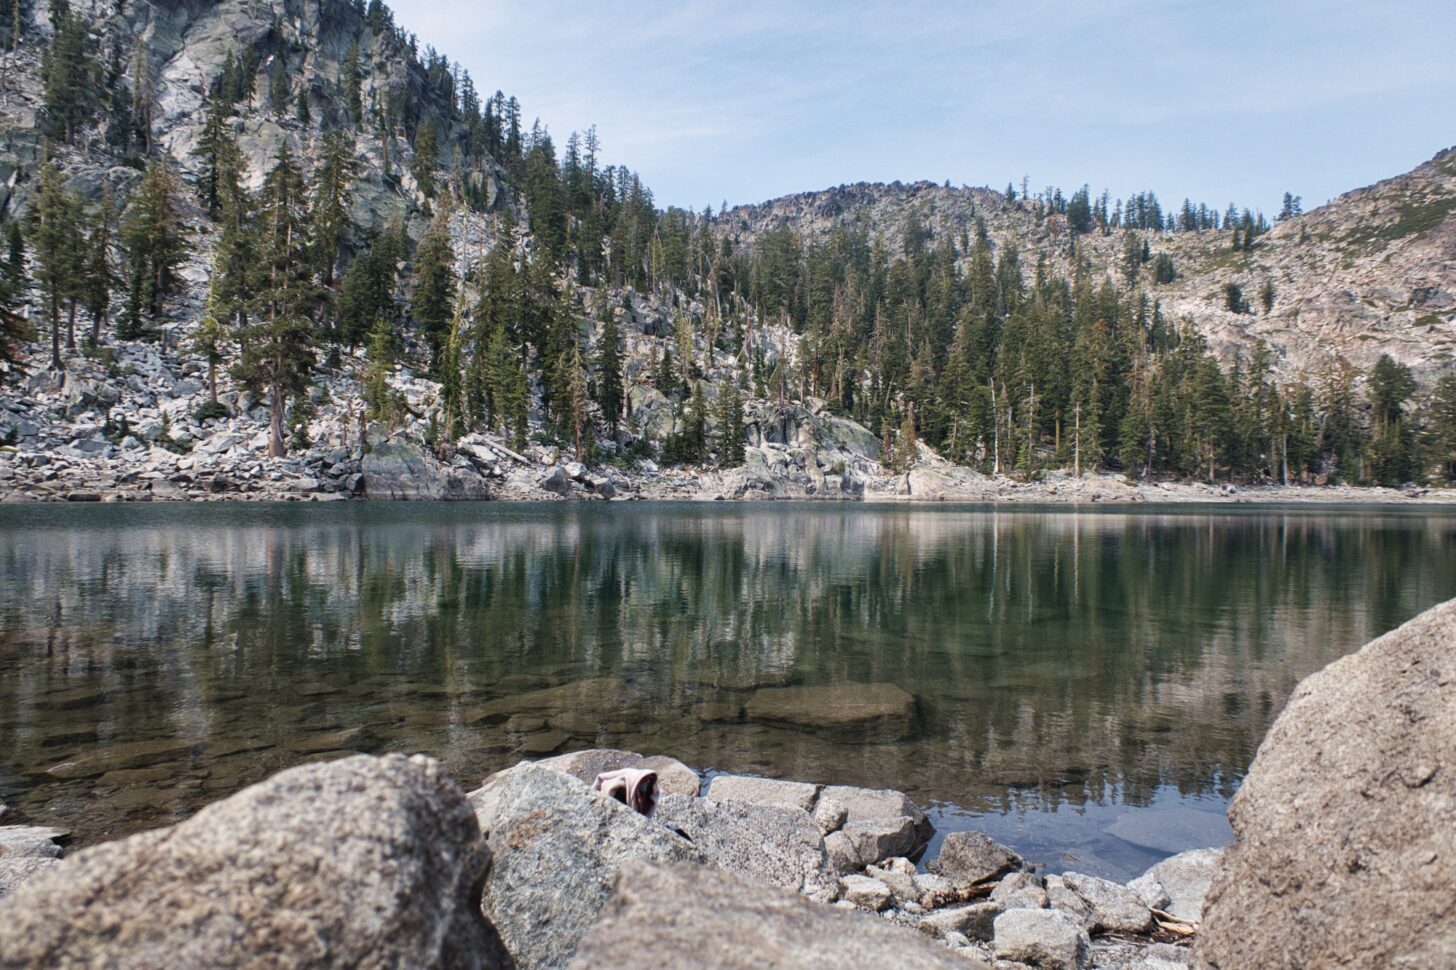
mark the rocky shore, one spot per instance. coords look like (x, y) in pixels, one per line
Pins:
(139, 426)
(1344, 857)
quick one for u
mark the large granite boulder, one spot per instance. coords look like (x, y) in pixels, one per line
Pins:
(402, 470)
(1345, 828)
(1045, 938)
(681, 917)
(781, 846)
(764, 791)
(557, 847)
(673, 777)
(361, 862)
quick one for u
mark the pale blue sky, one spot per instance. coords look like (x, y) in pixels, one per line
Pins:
(745, 100)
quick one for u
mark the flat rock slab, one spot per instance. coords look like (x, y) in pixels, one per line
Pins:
(763, 791)
(863, 711)
(780, 846)
(557, 848)
(367, 862)
(682, 917)
(1345, 851)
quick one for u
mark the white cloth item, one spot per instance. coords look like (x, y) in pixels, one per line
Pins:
(634, 787)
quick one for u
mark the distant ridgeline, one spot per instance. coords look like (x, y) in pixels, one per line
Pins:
(291, 190)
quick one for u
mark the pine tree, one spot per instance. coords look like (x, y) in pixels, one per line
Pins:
(434, 294)
(70, 75)
(333, 180)
(579, 405)
(222, 160)
(609, 371)
(427, 157)
(1443, 424)
(13, 327)
(54, 237)
(728, 435)
(277, 346)
(278, 98)
(353, 83)
(210, 339)
(98, 279)
(152, 233)
(379, 399)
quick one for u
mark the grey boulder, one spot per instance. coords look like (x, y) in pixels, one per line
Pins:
(1178, 885)
(25, 852)
(967, 858)
(764, 791)
(1098, 904)
(557, 847)
(781, 846)
(673, 777)
(678, 917)
(1044, 938)
(361, 862)
(1345, 847)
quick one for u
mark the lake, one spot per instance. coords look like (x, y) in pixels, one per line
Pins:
(1088, 686)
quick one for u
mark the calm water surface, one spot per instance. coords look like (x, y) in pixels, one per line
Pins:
(1089, 686)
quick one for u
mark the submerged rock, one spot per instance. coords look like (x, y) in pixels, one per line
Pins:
(1345, 850)
(363, 862)
(557, 847)
(860, 711)
(678, 917)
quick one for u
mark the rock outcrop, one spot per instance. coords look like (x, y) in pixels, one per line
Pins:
(557, 849)
(363, 862)
(678, 917)
(1345, 850)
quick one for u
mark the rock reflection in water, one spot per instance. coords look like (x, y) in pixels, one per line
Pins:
(155, 659)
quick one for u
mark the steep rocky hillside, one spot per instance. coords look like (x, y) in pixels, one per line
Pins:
(1372, 272)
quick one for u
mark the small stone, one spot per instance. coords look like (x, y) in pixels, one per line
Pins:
(880, 838)
(976, 921)
(901, 884)
(1044, 938)
(842, 854)
(968, 858)
(867, 893)
(830, 814)
(1020, 890)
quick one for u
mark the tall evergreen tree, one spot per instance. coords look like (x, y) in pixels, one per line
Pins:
(434, 294)
(153, 237)
(55, 242)
(609, 371)
(277, 344)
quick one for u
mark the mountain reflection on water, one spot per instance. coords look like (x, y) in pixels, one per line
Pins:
(1067, 667)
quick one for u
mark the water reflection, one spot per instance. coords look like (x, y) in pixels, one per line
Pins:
(153, 659)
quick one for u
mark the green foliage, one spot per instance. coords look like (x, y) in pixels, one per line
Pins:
(70, 75)
(154, 240)
(434, 295)
(1233, 298)
(609, 390)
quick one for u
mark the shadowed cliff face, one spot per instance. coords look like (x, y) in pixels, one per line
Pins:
(153, 660)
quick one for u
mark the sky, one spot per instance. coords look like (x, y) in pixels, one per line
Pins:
(743, 101)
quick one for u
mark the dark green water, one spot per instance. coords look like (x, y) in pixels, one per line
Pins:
(1069, 669)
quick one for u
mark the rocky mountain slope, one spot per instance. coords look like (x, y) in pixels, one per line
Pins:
(1372, 272)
